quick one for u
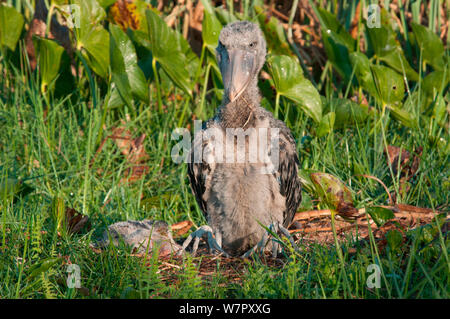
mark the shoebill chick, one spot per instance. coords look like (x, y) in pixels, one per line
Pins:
(237, 197)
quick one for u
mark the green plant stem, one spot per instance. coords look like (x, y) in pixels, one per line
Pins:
(323, 75)
(205, 86)
(158, 86)
(291, 18)
(200, 64)
(277, 105)
(231, 6)
(183, 113)
(409, 266)
(25, 251)
(246, 9)
(385, 144)
(49, 19)
(90, 77)
(86, 167)
(4, 177)
(105, 110)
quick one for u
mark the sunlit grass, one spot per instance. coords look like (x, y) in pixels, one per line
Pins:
(49, 151)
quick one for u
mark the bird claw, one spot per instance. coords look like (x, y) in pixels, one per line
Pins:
(275, 228)
(213, 245)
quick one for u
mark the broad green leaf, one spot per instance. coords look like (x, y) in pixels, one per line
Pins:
(326, 125)
(123, 89)
(167, 50)
(382, 40)
(348, 112)
(338, 54)
(384, 43)
(332, 191)
(330, 25)
(274, 33)
(118, 69)
(390, 92)
(115, 100)
(337, 42)
(94, 47)
(431, 46)
(397, 60)
(363, 73)
(210, 31)
(416, 102)
(91, 14)
(49, 55)
(380, 215)
(403, 116)
(92, 38)
(11, 24)
(390, 86)
(143, 53)
(289, 82)
(125, 70)
(383, 83)
(435, 82)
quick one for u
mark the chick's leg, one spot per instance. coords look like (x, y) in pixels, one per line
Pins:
(213, 244)
(275, 228)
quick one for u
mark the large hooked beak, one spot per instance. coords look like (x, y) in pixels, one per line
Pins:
(238, 72)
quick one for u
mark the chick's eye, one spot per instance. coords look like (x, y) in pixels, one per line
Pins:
(252, 45)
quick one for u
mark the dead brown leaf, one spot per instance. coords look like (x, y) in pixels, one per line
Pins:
(197, 17)
(134, 173)
(401, 159)
(133, 150)
(181, 228)
(345, 208)
(122, 138)
(75, 221)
